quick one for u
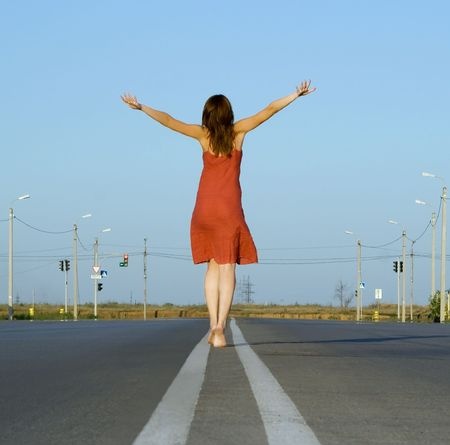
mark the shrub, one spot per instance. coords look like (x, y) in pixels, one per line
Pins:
(435, 307)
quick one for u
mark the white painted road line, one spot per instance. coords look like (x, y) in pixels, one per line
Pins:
(282, 421)
(172, 418)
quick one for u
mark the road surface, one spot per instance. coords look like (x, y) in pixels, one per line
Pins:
(278, 382)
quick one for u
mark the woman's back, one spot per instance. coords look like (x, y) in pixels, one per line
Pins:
(218, 227)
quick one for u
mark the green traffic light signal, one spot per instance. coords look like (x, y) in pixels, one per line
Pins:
(124, 262)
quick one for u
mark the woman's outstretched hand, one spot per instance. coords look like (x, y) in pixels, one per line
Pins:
(131, 101)
(305, 88)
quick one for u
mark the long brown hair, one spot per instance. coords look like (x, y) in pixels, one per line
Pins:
(218, 118)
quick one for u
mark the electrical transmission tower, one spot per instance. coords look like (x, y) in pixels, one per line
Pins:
(245, 290)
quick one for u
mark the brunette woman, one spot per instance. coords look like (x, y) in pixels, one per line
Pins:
(219, 234)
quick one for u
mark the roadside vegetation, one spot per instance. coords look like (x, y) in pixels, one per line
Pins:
(119, 311)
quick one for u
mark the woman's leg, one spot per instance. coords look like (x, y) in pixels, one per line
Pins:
(212, 291)
(227, 282)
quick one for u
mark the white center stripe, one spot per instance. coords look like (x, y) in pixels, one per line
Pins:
(171, 420)
(282, 421)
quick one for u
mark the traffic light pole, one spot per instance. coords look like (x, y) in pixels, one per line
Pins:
(95, 280)
(397, 268)
(398, 289)
(66, 289)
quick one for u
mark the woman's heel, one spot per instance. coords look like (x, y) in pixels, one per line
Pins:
(211, 337)
(219, 340)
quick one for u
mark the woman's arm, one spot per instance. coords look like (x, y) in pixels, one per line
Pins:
(193, 131)
(250, 123)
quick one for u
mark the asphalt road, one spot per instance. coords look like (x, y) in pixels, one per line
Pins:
(101, 382)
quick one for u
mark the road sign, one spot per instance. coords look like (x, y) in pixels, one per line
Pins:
(96, 269)
(96, 276)
(104, 273)
(378, 294)
(362, 285)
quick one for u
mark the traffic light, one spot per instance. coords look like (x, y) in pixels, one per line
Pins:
(99, 286)
(67, 264)
(124, 262)
(61, 265)
(396, 266)
(401, 266)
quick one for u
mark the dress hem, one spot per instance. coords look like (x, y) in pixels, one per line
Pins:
(240, 262)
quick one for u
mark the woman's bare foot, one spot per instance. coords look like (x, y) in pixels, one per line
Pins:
(219, 340)
(211, 336)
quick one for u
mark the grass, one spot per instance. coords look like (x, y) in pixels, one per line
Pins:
(119, 311)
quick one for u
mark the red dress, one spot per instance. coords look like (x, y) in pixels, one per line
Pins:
(218, 227)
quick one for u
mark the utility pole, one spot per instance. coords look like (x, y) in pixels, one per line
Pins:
(443, 252)
(404, 276)
(145, 278)
(10, 257)
(95, 280)
(10, 266)
(75, 271)
(411, 298)
(358, 285)
(433, 254)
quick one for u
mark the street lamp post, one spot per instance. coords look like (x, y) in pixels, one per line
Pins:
(75, 272)
(75, 267)
(433, 248)
(10, 256)
(95, 280)
(443, 293)
(443, 252)
(404, 276)
(391, 221)
(433, 254)
(358, 278)
(359, 289)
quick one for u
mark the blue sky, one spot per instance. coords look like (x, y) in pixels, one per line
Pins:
(348, 157)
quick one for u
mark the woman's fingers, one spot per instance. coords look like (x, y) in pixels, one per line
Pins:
(304, 88)
(130, 100)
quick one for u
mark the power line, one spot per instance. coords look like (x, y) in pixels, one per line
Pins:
(41, 230)
(382, 245)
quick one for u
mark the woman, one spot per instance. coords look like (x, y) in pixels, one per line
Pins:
(219, 235)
